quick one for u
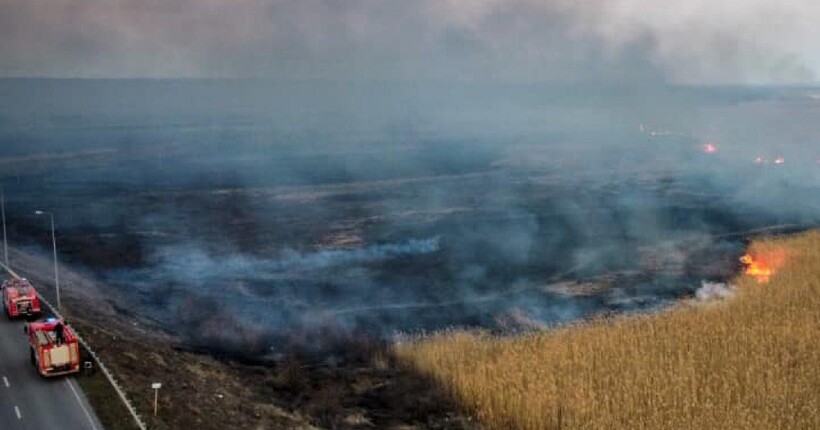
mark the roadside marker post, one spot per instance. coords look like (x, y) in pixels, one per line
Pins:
(156, 386)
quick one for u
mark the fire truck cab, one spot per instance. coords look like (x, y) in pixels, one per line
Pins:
(20, 298)
(54, 347)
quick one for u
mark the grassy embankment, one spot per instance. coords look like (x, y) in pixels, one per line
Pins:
(106, 403)
(751, 362)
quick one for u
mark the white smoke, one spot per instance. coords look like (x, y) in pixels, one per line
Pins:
(192, 264)
(714, 291)
(337, 257)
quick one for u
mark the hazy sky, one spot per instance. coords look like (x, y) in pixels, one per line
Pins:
(697, 41)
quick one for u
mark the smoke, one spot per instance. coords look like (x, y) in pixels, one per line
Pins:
(729, 41)
(714, 291)
(192, 264)
(239, 214)
(404, 165)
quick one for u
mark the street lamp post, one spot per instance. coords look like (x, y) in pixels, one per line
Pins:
(54, 244)
(3, 211)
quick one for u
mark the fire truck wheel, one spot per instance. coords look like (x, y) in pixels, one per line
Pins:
(31, 357)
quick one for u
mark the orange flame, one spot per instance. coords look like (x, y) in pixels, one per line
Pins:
(757, 269)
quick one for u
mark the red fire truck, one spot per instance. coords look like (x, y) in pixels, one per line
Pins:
(20, 298)
(55, 349)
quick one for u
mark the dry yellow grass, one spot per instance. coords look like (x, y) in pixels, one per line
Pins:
(752, 362)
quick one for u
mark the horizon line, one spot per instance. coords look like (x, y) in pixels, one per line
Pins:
(811, 84)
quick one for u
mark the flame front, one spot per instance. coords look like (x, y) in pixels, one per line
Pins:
(757, 269)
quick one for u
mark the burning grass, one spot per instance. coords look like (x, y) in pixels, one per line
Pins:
(749, 362)
(764, 262)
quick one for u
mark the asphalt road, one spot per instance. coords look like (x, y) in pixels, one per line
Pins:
(31, 402)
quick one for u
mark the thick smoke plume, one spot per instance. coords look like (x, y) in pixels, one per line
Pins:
(435, 163)
(250, 215)
(725, 41)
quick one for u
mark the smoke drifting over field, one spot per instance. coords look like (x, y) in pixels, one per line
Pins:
(172, 262)
(725, 41)
(242, 215)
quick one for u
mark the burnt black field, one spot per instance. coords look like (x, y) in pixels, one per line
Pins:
(243, 214)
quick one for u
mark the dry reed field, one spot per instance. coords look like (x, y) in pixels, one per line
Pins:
(748, 362)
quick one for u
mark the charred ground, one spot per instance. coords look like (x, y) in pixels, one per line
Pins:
(270, 229)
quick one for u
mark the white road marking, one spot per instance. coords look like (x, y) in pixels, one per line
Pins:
(80, 401)
(17, 411)
(6, 382)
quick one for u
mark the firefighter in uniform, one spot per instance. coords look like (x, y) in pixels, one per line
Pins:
(58, 331)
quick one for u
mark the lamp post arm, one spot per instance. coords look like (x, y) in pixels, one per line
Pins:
(3, 211)
(56, 272)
